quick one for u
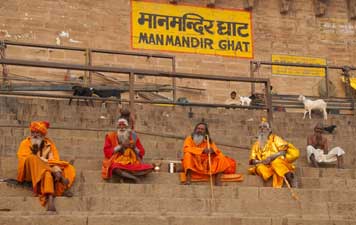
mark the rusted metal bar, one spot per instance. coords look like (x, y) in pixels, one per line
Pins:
(268, 98)
(90, 62)
(86, 73)
(327, 81)
(300, 65)
(168, 103)
(4, 67)
(252, 75)
(54, 65)
(132, 92)
(24, 44)
(174, 84)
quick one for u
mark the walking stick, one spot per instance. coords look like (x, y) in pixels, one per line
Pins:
(294, 195)
(211, 177)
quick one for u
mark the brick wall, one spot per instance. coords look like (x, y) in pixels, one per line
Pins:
(106, 24)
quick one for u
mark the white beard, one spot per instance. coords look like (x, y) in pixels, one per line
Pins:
(263, 138)
(36, 141)
(124, 135)
(198, 139)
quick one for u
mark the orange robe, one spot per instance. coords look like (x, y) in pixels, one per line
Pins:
(33, 169)
(198, 162)
(128, 160)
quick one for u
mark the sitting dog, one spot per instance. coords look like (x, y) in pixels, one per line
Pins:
(82, 91)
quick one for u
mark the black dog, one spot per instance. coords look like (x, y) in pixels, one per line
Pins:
(330, 129)
(82, 91)
(107, 93)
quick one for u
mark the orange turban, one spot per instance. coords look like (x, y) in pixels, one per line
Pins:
(39, 126)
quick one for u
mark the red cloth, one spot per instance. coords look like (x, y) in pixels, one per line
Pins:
(111, 141)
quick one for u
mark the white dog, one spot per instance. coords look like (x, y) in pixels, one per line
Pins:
(309, 105)
(244, 100)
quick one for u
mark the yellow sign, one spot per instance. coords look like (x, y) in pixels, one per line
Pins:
(183, 28)
(298, 71)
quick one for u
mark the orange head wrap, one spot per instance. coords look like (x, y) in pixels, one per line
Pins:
(39, 126)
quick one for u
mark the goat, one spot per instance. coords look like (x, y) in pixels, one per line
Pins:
(245, 100)
(82, 91)
(309, 105)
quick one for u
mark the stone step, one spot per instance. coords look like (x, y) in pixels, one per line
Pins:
(194, 191)
(333, 183)
(122, 218)
(90, 162)
(191, 206)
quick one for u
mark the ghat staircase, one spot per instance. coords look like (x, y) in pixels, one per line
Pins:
(326, 195)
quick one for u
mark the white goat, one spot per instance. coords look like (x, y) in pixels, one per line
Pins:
(309, 105)
(245, 100)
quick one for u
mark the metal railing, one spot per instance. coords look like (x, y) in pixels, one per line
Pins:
(132, 72)
(255, 66)
(88, 58)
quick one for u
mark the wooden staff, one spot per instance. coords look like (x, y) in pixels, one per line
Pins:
(294, 195)
(211, 176)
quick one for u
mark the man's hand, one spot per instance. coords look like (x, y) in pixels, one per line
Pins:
(132, 145)
(267, 161)
(208, 150)
(126, 144)
(118, 148)
(34, 149)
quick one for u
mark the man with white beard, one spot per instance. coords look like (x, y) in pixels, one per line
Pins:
(273, 157)
(39, 163)
(196, 165)
(123, 154)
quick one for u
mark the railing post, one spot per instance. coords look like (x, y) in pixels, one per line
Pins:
(269, 101)
(87, 74)
(252, 75)
(174, 84)
(4, 67)
(132, 91)
(327, 81)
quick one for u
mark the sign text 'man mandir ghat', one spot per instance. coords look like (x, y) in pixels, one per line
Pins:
(192, 32)
(197, 24)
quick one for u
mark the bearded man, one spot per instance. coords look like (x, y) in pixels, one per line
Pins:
(318, 149)
(196, 165)
(273, 157)
(39, 163)
(123, 154)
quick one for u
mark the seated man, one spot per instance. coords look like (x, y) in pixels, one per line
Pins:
(123, 154)
(39, 163)
(317, 149)
(232, 100)
(273, 156)
(196, 163)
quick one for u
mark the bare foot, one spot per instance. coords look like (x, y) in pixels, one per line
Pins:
(187, 183)
(68, 193)
(50, 203)
(136, 180)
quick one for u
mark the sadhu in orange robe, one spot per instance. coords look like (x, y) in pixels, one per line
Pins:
(38, 169)
(198, 162)
(278, 167)
(128, 160)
